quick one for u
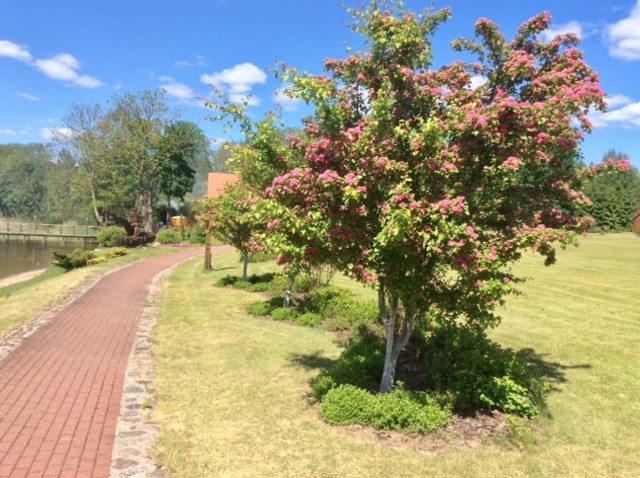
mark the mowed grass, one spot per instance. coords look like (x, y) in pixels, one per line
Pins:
(232, 389)
(25, 300)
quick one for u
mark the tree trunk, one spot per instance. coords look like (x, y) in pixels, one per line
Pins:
(146, 203)
(395, 342)
(168, 211)
(94, 202)
(287, 295)
(245, 265)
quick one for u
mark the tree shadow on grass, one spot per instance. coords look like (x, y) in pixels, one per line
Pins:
(552, 373)
(312, 361)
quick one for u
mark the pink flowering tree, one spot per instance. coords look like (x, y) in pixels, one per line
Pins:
(428, 185)
(233, 219)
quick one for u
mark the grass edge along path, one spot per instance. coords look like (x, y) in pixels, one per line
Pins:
(22, 302)
(232, 389)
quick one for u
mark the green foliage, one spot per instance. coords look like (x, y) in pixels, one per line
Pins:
(168, 236)
(615, 195)
(309, 319)
(76, 259)
(97, 260)
(360, 365)
(347, 404)
(227, 281)
(260, 287)
(284, 314)
(119, 251)
(339, 309)
(398, 410)
(260, 308)
(319, 299)
(109, 236)
(197, 235)
(347, 313)
(480, 373)
(261, 278)
(242, 284)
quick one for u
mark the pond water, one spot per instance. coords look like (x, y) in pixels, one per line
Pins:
(18, 256)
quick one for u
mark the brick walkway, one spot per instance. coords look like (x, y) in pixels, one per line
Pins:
(60, 390)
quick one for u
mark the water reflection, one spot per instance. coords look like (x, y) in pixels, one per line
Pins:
(17, 256)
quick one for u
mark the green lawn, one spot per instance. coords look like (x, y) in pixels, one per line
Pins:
(232, 388)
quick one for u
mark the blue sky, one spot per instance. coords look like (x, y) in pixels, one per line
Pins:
(54, 53)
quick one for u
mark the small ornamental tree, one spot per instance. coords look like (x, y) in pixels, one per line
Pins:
(266, 153)
(426, 187)
(231, 218)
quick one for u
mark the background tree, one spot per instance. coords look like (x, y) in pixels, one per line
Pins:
(23, 189)
(426, 188)
(85, 140)
(176, 152)
(136, 123)
(232, 219)
(614, 191)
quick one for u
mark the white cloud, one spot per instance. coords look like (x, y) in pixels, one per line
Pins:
(56, 133)
(63, 67)
(45, 121)
(569, 27)
(624, 36)
(29, 97)
(8, 132)
(12, 50)
(199, 61)
(237, 82)
(287, 104)
(628, 116)
(117, 86)
(60, 67)
(85, 81)
(617, 100)
(179, 90)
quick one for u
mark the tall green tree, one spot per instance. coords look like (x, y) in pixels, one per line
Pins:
(177, 152)
(136, 123)
(614, 191)
(85, 139)
(23, 188)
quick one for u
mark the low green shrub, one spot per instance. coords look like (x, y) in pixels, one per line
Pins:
(480, 373)
(109, 236)
(284, 314)
(260, 308)
(261, 278)
(347, 313)
(197, 235)
(242, 284)
(76, 259)
(168, 236)
(347, 404)
(260, 287)
(309, 319)
(409, 411)
(360, 365)
(227, 280)
(399, 410)
(97, 260)
(119, 251)
(319, 299)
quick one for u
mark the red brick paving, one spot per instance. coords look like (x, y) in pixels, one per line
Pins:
(60, 390)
